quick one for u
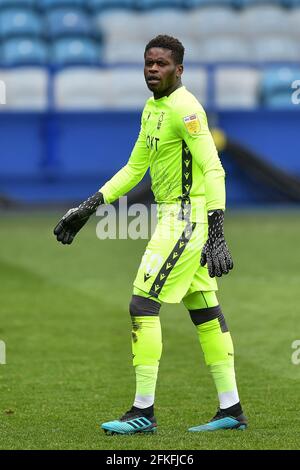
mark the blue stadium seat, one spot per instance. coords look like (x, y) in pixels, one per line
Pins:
(264, 19)
(150, 4)
(18, 3)
(237, 87)
(275, 49)
(99, 5)
(167, 20)
(249, 3)
(293, 17)
(49, 4)
(20, 22)
(210, 3)
(195, 79)
(82, 88)
(130, 94)
(68, 21)
(27, 51)
(27, 88)
(126, 51)
(213, 21)
(276, 91)
(119, 23)
(224, 49)
(76, 51)
(291, 3)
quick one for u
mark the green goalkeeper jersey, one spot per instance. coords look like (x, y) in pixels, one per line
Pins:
(175, 142)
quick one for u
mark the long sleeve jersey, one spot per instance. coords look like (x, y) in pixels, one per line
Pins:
(175, 142)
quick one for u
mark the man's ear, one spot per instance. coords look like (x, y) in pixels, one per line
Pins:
(179, 70)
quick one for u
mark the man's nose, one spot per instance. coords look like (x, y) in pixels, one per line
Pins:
(153, 68)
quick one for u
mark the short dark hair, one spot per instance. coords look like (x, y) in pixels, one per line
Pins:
(168, 42)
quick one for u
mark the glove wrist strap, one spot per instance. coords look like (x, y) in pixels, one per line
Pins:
(216, 222)
(91, 204)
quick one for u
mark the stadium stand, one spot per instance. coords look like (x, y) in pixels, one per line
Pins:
(195, 80)
(101, 5)
(68, 22)
(80, 51)
(151, 4)
(89, 88)
(27, 88)
(294, 22)
(264, 19)
(82, 88)
(292, 3)
(119, 24)
(126, 52)
(213, 21)
(205, 3)
(224, 49)
(112, 33)
(163, 21)
(275, 48)
(128, 93)
(24, 51)
(250, 3)
(20, 22)
(82, 60)
(237, 87)
(2, 89)
(49, 4)
(18, 3)
(276, 86)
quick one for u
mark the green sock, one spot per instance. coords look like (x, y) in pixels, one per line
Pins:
(146, 350)
(218, 352)
(216, 344)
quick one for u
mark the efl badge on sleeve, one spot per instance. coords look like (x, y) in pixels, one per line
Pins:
(192, 124)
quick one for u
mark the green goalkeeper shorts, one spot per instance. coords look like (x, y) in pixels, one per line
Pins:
(170, 268)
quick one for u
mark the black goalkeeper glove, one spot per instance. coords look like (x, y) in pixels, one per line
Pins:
(215, 251)
(76, 218)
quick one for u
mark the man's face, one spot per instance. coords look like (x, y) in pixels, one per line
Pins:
(160, 70)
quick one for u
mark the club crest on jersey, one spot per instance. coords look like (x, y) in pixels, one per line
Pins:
(192, 124)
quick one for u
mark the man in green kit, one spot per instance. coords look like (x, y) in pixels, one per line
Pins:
(187, 250)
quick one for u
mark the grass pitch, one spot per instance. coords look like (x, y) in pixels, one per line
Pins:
(64, 319)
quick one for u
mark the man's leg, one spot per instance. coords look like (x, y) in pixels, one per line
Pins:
(146, 351)
(217, 347)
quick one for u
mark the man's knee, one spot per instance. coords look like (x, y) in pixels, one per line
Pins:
(200, 299)
(204, 315)
(142, 307)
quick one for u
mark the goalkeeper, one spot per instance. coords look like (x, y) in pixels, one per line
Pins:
(187, 250)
